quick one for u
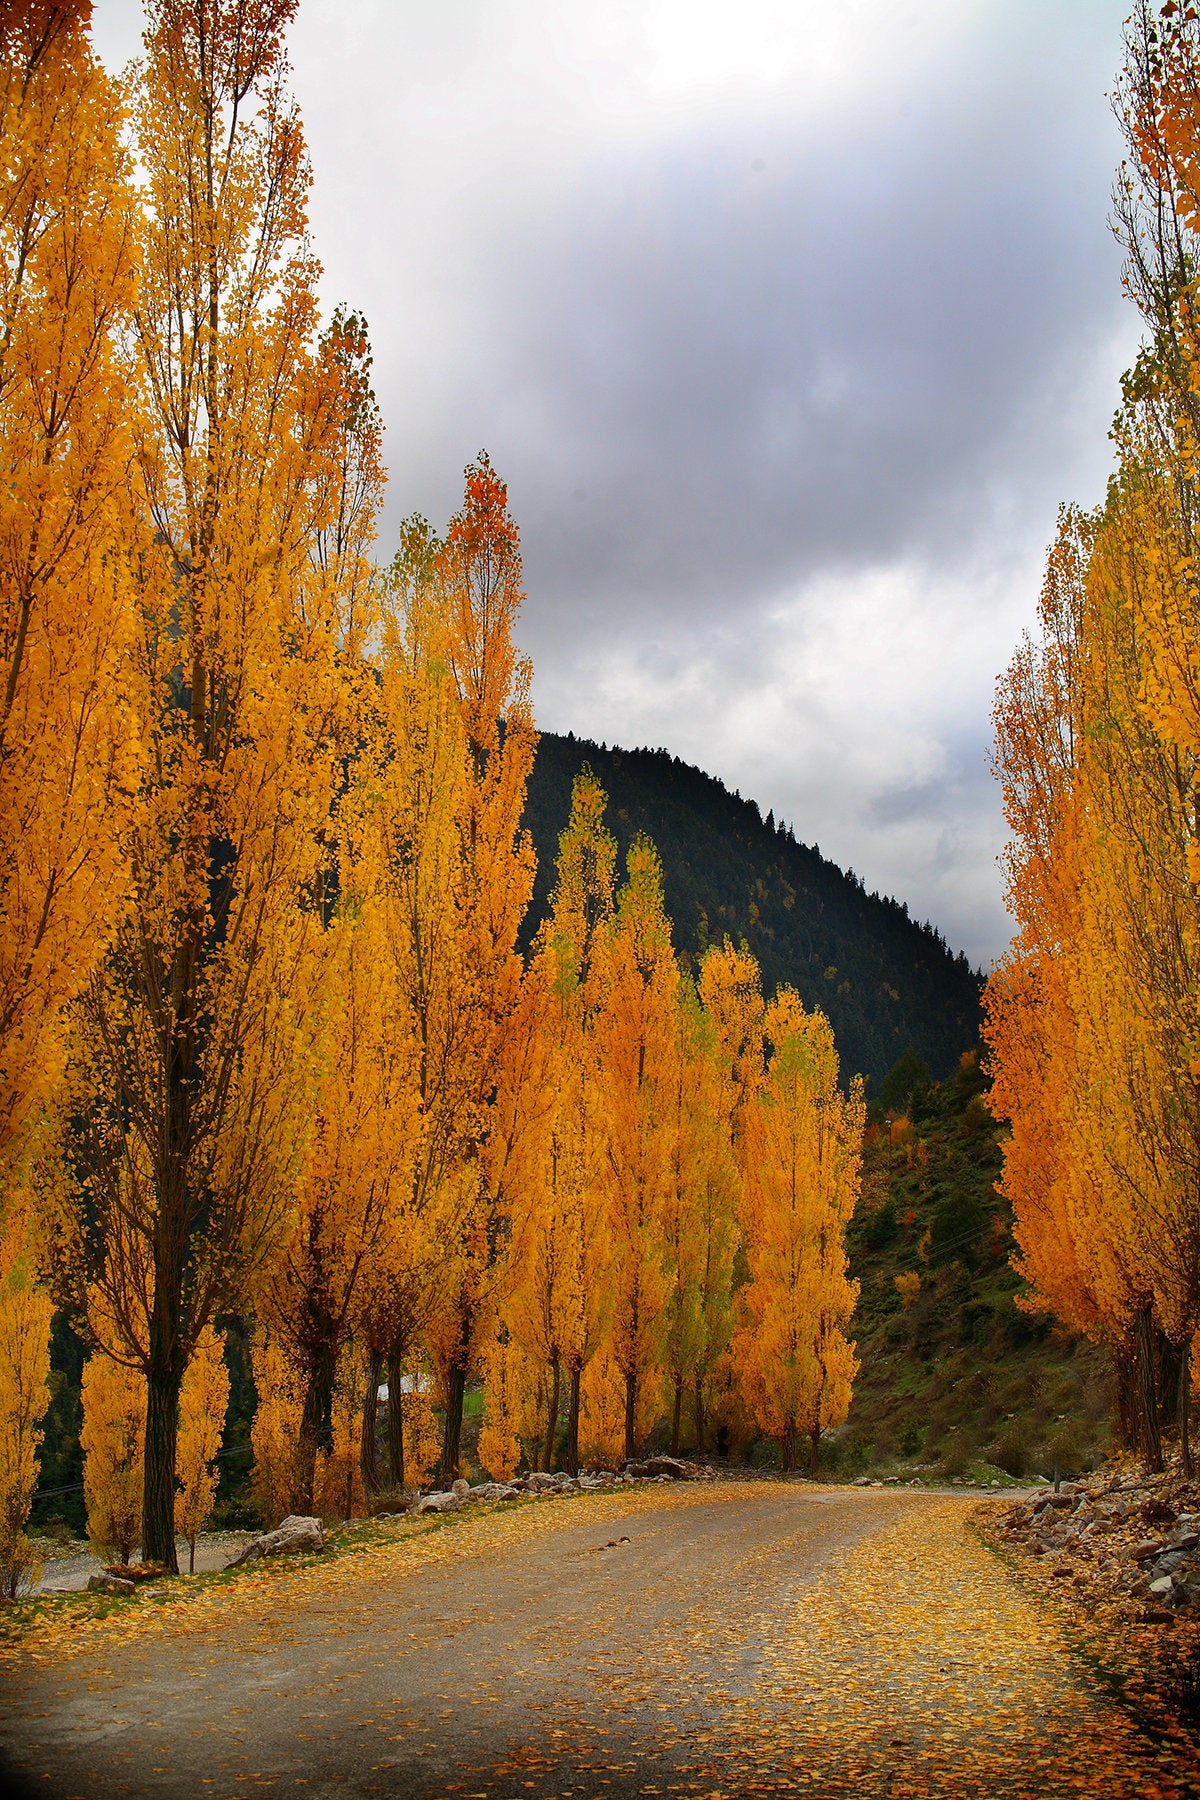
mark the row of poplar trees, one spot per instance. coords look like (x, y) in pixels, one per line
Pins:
(267, 1045)
(1094, 1015)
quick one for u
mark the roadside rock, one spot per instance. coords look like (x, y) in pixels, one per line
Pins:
(435, 1503)
(673, 1468)
(292, 1537)
(1093, 1534)
(110, 1584)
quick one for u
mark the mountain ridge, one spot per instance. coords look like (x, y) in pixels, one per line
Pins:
(886, 982)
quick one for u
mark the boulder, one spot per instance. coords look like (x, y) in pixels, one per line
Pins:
(492, 1490)
(650, 1466)
(294, 1536)
(109, 1584)
(436, 1503)
(460, 1487)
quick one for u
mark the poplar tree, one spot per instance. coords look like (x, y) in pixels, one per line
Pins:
(801, 1158)
(638, 982)
(256, 470)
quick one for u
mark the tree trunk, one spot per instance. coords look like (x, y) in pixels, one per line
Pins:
(1128, 1411)
(456, 1387)
(395, 1423)
(368, 1458)
(192, 1554)
(1148, 1388)
(787, 1447)
(1169, 1358)
(676, 1415)
(815, 1435)
(158, 1486)
(573, 1422)
(552, 1416)
(316, 1421)
(630, 1415)
(701, 1414)
(1184, 1404)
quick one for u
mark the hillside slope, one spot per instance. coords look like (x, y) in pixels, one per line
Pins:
(956, 1378)
(884, 981)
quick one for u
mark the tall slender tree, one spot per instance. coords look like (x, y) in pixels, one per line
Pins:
(257, 466)
(801, 1159)
(638, 987)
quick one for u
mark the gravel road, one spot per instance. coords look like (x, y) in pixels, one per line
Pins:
(711, 1641)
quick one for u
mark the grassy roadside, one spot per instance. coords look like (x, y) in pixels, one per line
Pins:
(20, 1619)
(957, 1383)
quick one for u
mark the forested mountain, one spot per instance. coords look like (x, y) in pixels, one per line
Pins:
(884, 981)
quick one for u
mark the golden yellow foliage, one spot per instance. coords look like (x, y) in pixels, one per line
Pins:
(338, 1485)
(25, 1313)
(68, 743)
(203, 1401)
(908, 1286)
(275, 1434)
(112, 1439)
(801, 1156)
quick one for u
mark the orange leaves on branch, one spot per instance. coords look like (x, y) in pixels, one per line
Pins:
(69, 748)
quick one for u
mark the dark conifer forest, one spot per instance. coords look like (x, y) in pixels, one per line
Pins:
(885, 981)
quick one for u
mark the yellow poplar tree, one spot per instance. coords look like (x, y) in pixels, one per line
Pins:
(477, 579)
(24, 1396)
(112, 1438)
(275, 1434)
(320, 1269)
(67, 742)
(257, 476)
(555, 1306)
(801, 1156)
(730, 989)
(203, 1403)
(699, 1218)
(638, 985)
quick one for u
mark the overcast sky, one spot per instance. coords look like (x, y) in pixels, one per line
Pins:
(788, 325)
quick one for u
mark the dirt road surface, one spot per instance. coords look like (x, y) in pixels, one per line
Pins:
(729, 1640)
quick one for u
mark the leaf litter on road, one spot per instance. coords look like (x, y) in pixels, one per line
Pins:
(908, 1663)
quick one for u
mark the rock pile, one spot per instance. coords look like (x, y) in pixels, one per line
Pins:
(1123, 1538)
(653, 1468)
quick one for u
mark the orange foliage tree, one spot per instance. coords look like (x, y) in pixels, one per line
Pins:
(203, 1402)
(801, 1154)
(637, 993)
(113, 1443)
(257, 473)
(554, 1309)
(67, 741)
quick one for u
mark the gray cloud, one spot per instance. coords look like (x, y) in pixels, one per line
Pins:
(788, 334)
